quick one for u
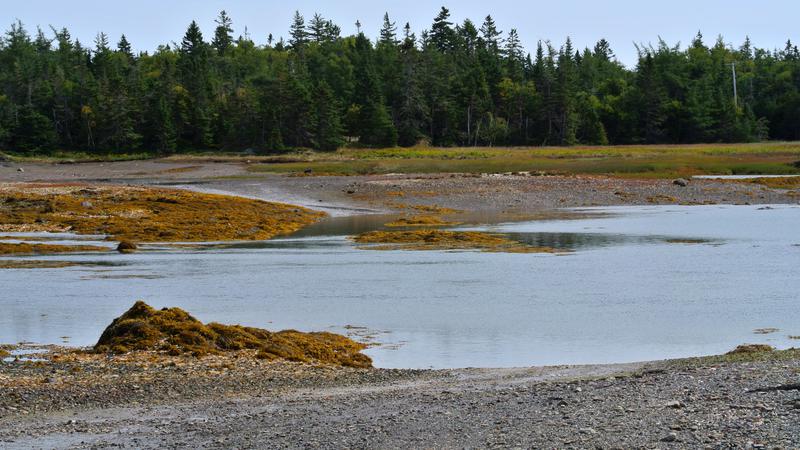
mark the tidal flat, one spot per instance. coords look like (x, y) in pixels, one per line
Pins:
(670, 276)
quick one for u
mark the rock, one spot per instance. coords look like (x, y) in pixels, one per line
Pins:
(20, 170)
(683, 182)
(674, 404)
(87, 204)
(308, 171)
(672, 437)
(127, 247)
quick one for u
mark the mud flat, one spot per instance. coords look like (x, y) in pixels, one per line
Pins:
(362, 194)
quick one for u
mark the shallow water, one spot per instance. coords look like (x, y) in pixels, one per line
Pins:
(631, 290)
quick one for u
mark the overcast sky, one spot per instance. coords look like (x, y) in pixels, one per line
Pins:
(148, 23)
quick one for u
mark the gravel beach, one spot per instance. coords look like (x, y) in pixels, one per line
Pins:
(144, 401)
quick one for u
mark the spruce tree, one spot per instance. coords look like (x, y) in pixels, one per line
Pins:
(223, 33)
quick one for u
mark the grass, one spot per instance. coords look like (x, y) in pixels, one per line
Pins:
(658, 161)
(138, 214)
(75, 157)
(174, 331)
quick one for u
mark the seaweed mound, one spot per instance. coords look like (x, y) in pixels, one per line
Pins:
(751, 348)
(176, 332)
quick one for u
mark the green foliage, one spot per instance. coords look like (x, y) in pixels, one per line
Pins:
(458, 84)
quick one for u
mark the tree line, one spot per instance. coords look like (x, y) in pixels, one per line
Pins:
(451, 85)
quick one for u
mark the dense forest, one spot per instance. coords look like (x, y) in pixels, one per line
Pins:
(451, 85)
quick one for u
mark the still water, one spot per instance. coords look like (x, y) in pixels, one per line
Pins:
(641, 283)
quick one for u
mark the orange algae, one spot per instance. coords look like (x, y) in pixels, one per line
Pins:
(778, 182)
(41, 249)
(176, 332)
(421, 221)
(430, 209)
(35, 264)
(141, 214)
(751, 348)
(445, 240)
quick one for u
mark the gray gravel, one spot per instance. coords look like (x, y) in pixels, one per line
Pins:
(707, 403)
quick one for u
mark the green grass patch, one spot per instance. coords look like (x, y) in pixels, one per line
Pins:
(625, 161)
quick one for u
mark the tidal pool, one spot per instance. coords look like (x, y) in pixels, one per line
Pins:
(642, 283)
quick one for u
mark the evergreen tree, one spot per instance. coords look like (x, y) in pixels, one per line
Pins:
(328, 135)
(388, 32)
(455, 85)
(442, 34)
(223, 34)
(194, 112)
(298, 33)
(124, 47)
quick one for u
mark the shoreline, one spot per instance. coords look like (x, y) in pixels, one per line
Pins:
(151, 402)
(219, 402)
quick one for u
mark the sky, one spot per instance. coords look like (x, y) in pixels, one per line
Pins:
(148, 23)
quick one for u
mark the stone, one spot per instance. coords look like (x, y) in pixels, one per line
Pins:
(127, 247)
(672, 437)
(682, 182)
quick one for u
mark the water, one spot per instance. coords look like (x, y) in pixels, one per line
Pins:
(630, 291)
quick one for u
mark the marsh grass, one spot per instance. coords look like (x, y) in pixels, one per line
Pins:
(661, 161)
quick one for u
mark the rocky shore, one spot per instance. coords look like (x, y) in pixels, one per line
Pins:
(155, 401)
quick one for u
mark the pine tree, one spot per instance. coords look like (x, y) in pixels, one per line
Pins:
(124, 47)
(223, 33)
(328, 132)
(373, 124)
(298, 33)
(442, 34)
(491, 36)
(318, 29)
(388, 32)
(194, 72)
